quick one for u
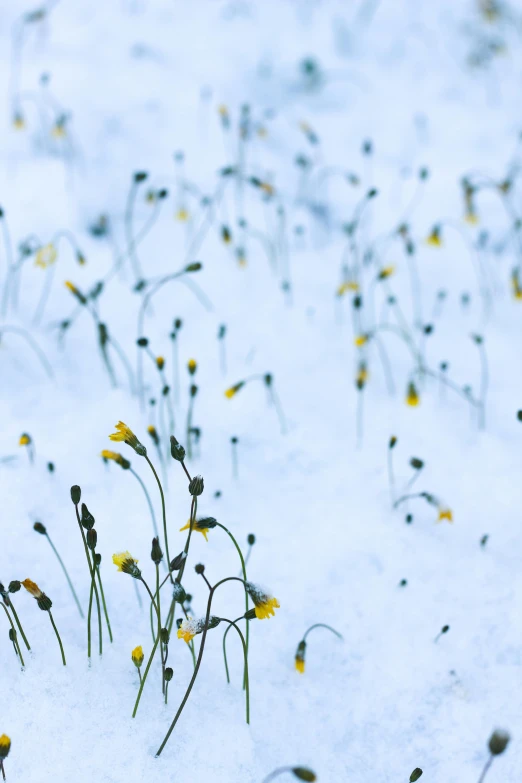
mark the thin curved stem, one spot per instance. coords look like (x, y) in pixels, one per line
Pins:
(143, 679)
(322, 625)
(163, 512)
(149, 502)
(14, 631)
(243, 568)
(73, 591)
(57, 636)
(19, 624)
(38, 351)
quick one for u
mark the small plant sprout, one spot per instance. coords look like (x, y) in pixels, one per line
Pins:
(39, 528)
(5, 747)
(300, 773)
(497, 744)
(44, 603)
(301, 647)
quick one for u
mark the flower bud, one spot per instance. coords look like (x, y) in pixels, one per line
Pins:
(176, 449)
(498, 742)
(178, 561)
(87, 518)
(251, 539)
(178, 593)
(199, 568)
(196, 486)
(76, 494)
(14, 586)
(156, 553)
(165, 635)
(92, 539)
(169, 673)
(415, 775)
(40, 528)
(44, 602)
(302, 773)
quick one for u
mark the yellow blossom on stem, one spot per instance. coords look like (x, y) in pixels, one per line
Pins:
(348, 285)
(299, 665)
(187, 630)
(32, 588)
(264, 603)
(182, 215)
(18, 122)
(25, 439)
(233, 390)
(125, 434)
(412, 395)
(192, 366)
(127, 563)
(445, 513)
(434, 238)
(115, 457)
(5, 746)
(46, 256)
(202, 530)
(160, 362)
(137, 656)
(361, 340)
(385, 272)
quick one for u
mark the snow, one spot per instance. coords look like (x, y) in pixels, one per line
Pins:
(142, 80)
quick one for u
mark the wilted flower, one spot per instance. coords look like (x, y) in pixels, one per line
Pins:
(113, 455)
(191, 627)
(46, 256)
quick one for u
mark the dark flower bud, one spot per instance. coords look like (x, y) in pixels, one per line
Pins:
(194, 267)
(176, 449)
(250, 615)
(169, 673)
(302, 773)
(196, 486)
(50, 467)
(268, 379)
(44, 602)
(393, 441)
(97, 559)
(357, 302)
(498, 742)
(156, 553)
(140, 176)
(178, 561)
(519, 415)
(12, 635)
(178, 323)
(14, 586)
(233, 439)
(206, 522)
(165, 635)
(178, 623)
(251, 539)
(87, 518)
(408, 519)
(415, 775)
(372, 193)
(76, 494)
(92, 539)
(199, 568)
(193, 390)
(416, 463)
(213, 622)
(178, 593)
(40, 528)
(142, 342)
(221, 331)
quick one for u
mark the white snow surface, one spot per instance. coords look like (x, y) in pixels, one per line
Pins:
(141, 81)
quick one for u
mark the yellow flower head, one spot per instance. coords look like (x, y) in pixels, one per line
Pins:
(25, 439)
(226, 236)
(385, 272)
(75, 292)
(46, 256)
(182, 215)
(471, 217)
(361, 340)
(434, 238)
(32, 588)
(348, 285)
(196, 526)
(412, 395)
(299, 665)
(223, 110)
(300, 657)
(515, 282)
(5, 746)
(192, 366)
(137, 656)
(127, 563)
(362, 376)
(189, 628)
(233, 390)
(125, 434)
(58, 130)
(18, 122)
(160, 362)
(113, 455)
(265, 604)
(151, 429)
(267, 188)
(445, 513)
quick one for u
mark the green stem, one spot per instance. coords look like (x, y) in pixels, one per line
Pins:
(243, 568)
(245, 655)
(103, 602)
(19, 624)
(142, 683)
(73, 591)
(92, 581)
(15, 634)
(149, 502)
(163, 511)
(58, 637)
(322, 625)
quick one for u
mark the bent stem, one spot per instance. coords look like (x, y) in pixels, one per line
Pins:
(246, 685)
(243, 568)
(58, 637)
(73, 591)
(163, 512)
(153, 652)
(489, 762)
(15, 634)
(198, 662)
(91, 572)
(19, 624)
(322, 625)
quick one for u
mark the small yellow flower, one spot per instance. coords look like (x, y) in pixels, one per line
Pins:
(226, 236)
(182, 215)
(445, 513)
(233, 390)
(58, 130)
(412, 396)
(46, 256)
(362, 376)
(151, 429)
(300, 665)
(222, 110)
(127, 563)
(385, 272)
(113, 455)
(202, 530)
(265, 604)
(25, 439)
(5, 746)
(348, 285)
(18, 122)
(125, 434)
(434, 238)
(160, 362)
(137, 656)
(75, 292)
(187, 630)
(267, 188)
(515, 282)
(361, 340)
(471, 217)
(32, 588)
(192, 366)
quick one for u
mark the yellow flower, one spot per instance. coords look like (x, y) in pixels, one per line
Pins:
(58, 130)
(299, 665)
(445, 513)
(192, 366)
(125, 434)
(182, 215)
(25, 439)
(233, 390)
(5, 746)
(515, 282)
(202, 530)
(434, 239)
(137, 656)
(127, 563)
(160, 362)
(226, 236)
(385, 272)
(412, 396)
(471, 217)
(187, 630)
(222, 110)
(348, 285)
(267, 188)
(362, 375)
(46, 256)
(76, 292)
(113, 455)
(361, 340)
(264, 603)
(151, 429)
(32, 588)
(18, 122)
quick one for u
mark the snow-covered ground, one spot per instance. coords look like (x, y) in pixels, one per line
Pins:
(107, 89)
